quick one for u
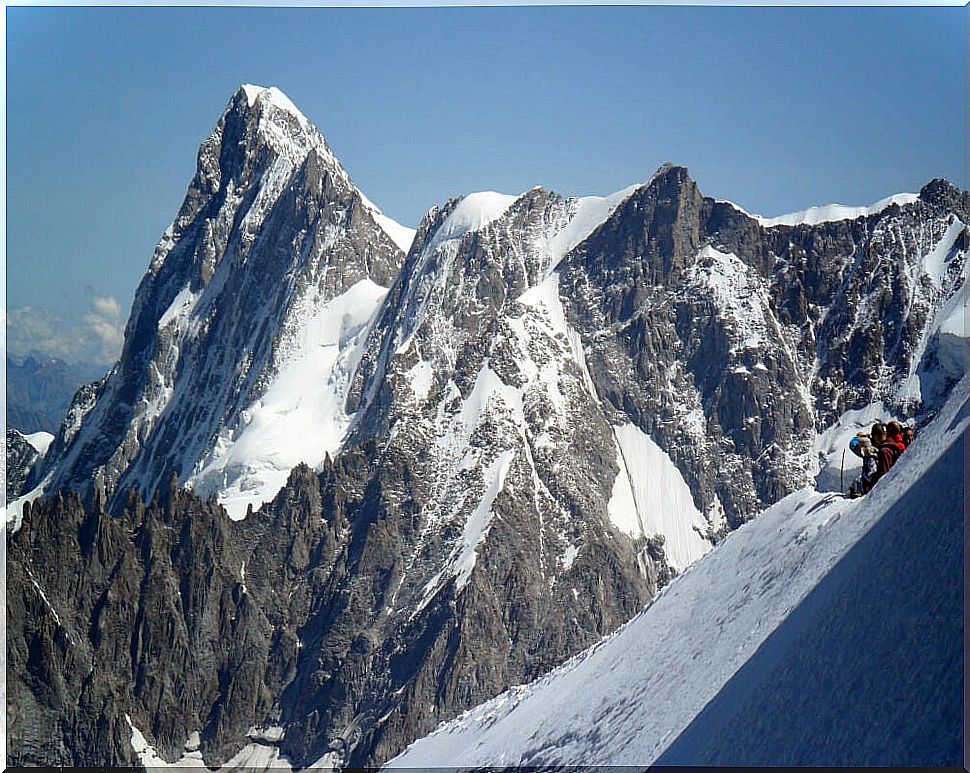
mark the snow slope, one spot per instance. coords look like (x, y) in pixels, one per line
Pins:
(262, 754)
(250, 463)
(751, 654)
(472, 213)
(833, 212)
(651, 497)
(40, 441)
(401, 235)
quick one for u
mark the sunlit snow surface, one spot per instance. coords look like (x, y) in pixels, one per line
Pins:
(651, 497)
(834, 212)
(591, 212)
(15, 508)
(954, 341)
(40, 441)
(738, 294)
(472, 213)
(274, 95)
(260, 755)
(401, 235)
(626, 700)
(300, 417)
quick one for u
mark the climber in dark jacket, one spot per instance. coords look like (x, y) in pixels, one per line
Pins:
(888, 451)
(909, 435)
(861, 445)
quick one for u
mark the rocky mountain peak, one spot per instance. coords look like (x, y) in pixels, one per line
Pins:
(275, 258)
(669, 173)
(945, 195)
(441, 473)
(659, 226)
(272, 120)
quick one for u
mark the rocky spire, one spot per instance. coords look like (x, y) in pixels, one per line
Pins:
(271, 231)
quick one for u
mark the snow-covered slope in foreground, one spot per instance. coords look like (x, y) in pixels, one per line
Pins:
(824, 632)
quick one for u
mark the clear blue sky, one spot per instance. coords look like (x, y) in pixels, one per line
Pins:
(776, 109)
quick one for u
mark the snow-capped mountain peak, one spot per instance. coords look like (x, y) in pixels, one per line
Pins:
(273, 96)
(292, 134)
(472, 212)
(251, 281)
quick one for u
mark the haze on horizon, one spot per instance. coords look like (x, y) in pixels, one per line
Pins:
(775, 109)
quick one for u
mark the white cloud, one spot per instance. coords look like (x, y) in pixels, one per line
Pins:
(107, 307)
(95, 338)
(109, 332)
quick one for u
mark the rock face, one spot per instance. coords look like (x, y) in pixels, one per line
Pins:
(186, 621)
(271, 231)
(386, 486)
(21, 456)
(732, 344)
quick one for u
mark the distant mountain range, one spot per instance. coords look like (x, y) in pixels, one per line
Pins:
(347, 480)
(39, 390)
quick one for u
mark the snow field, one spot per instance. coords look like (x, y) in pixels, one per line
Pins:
(651, 497)
(300, 417)
(251, 758)
(40, 441)
(828, 213)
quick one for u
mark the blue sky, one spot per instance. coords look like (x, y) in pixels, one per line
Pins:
(776, 109)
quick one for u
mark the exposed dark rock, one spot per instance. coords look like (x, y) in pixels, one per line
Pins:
(183, 620)
(20, 457)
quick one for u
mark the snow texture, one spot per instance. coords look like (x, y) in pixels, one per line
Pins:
(473, 213)
(260, 755)
(591, 212)
(738, 295)
(274, 96)
(252, 462)
(953, 333)
(401, 235)
(15, 508)
(476, 527)
(180, 309)
(651, 497)
(831, 627)
(834, 212)
(40, 441)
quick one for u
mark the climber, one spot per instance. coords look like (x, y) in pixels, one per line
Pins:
(879, 450)
(894, 436)
(888, 450)
(861, 445)
(909, 435)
